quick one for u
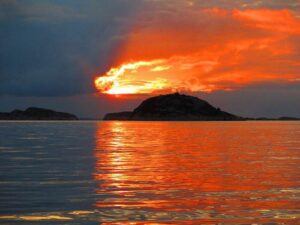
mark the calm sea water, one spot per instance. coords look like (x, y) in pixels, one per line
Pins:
(149, 173)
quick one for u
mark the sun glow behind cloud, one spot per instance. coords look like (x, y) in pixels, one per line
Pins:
(205, 50)
(124, 79)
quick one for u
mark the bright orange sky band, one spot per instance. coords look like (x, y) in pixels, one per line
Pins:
(204, 50)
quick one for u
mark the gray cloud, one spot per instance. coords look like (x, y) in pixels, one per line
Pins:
(50, 49)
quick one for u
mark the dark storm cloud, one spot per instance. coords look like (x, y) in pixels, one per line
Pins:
(54, 48)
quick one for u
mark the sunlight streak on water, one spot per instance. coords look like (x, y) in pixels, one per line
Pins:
(218, 172)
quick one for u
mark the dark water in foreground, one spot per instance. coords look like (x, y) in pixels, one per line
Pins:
(149, 173)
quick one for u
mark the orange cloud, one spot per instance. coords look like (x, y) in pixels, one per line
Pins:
(205, 50)
(275, 20)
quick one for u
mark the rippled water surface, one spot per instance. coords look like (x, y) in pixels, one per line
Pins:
(149, 173)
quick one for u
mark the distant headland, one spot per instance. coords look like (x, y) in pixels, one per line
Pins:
(169, 107)
(34, 113)
(174, 107)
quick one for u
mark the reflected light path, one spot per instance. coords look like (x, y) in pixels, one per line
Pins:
(197, 173)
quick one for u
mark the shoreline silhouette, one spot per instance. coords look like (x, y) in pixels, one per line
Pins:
(169, 107)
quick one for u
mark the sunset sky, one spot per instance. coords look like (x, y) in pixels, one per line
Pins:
(93, 57)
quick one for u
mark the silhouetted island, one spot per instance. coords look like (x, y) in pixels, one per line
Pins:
(34, 113)
(174, 107)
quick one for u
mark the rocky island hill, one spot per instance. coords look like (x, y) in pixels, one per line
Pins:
(34, 113)
(174, 107)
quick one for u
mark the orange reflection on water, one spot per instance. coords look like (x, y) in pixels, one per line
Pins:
(191, 173)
